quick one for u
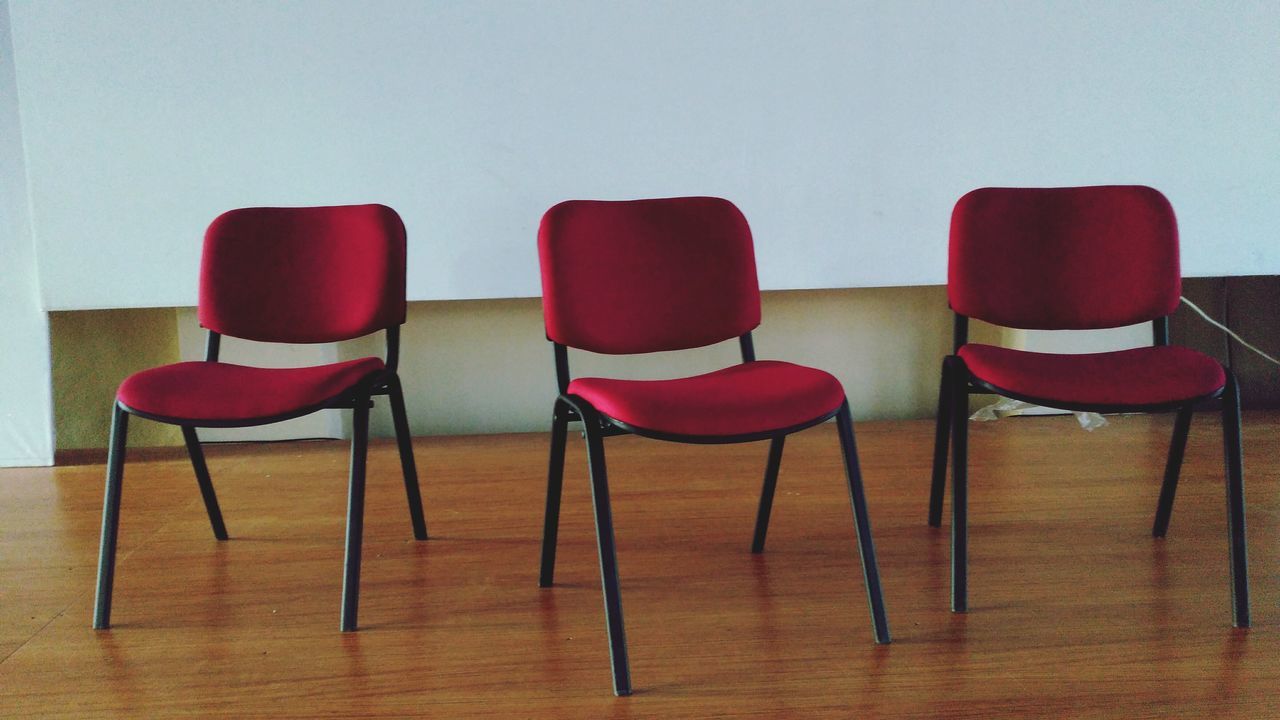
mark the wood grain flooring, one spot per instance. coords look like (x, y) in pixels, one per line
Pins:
(1075, 610)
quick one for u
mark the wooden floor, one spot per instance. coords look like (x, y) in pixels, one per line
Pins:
(1075, 610)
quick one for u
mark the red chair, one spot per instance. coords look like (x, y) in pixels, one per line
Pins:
(654, 275)
(1075, 259)
(286, 275)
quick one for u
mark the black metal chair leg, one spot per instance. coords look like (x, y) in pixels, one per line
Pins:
(942, 433)
(1234, 455)
(1172, 466)
(203, 479)
(110, 518)
(959, 485)
(608, 555)
(555, 482)
(407, 465)
(766, 493)
(355, 514)
(862, 522)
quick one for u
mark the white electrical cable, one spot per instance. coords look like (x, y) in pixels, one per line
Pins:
(1228, 331)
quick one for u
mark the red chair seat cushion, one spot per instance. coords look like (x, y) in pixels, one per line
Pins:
(744, 399)
(222, 392)
(1142, 376)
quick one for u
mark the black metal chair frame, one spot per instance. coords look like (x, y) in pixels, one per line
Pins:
(358, 399)
(597, 426)
(953, 411)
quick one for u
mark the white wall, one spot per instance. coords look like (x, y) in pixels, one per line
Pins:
(26, 405)
(846, 130)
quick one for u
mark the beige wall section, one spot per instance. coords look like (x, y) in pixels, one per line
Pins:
(484, 366)
(92, 351)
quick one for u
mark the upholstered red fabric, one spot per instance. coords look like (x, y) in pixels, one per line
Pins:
(647, 275)
(1142, 376)
(1064, 258)
(743, 399)
(302, 275)
(222, 392)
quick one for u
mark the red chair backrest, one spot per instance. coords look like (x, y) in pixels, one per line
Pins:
(1064, 258)
(303, 275)
(647, 275)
